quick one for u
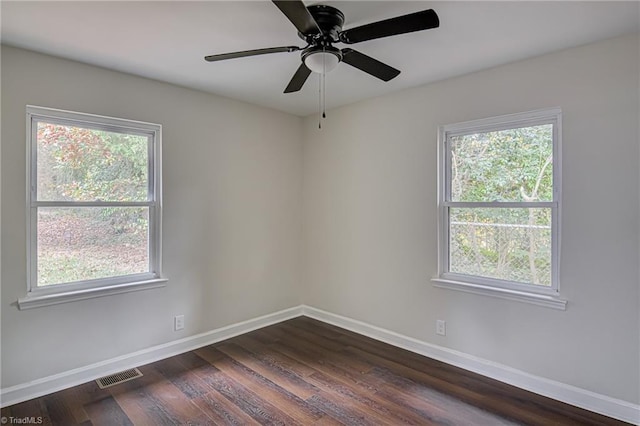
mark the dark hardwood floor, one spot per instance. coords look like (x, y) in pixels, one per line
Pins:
(302, 372)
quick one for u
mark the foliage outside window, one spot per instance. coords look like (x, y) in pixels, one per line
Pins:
(94, 201)
(499, 202)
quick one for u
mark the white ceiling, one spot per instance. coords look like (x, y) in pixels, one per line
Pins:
(167, 41)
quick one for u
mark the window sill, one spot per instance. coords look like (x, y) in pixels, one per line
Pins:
(519, 296)
(38, 300)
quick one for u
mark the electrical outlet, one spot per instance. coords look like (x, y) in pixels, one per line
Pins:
(441, 327)
(178, 322)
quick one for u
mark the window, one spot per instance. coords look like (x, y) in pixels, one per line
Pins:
(94, 207)
(499, 201)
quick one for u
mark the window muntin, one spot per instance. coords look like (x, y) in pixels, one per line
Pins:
(94, 201)
(499, 202)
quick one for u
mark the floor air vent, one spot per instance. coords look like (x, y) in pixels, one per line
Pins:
(117, 378)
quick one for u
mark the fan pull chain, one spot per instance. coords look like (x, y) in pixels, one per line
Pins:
(319, 102)
(324, 94)
(322, 99)
(324, 84)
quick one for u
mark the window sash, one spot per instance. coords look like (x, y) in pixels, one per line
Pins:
(37, 115)
(445, 261)
(534, 118)
(495, 125)
(113, 125)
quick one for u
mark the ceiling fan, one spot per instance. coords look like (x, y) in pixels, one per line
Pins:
(320, 26)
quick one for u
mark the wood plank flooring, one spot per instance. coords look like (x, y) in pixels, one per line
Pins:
(302, 372)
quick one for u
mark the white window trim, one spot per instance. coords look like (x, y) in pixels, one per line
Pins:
(538, 295)
(62, 293)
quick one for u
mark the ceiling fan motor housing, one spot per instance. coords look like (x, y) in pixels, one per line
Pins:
(329, 19)
(320, 52)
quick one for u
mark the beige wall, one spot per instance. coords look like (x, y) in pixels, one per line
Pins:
(232, 217)
(264, 212)
(370, 217)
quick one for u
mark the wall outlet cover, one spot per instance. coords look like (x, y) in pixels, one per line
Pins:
(178, 322)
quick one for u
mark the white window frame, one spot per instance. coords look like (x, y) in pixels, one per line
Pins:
(78, 290)
(532, 293)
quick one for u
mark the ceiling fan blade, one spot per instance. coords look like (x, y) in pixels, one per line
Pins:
(223, 56)
(298, 79)
(369, 65)
(299, 16)
(418, 21)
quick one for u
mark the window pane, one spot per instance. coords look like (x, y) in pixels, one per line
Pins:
(505, 165)
(79, 164)
(83, 243)
(512, 244)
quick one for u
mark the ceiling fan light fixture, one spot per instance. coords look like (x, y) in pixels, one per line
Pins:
(321, 62)
(321, 59)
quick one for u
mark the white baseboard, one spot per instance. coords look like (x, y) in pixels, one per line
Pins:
(616, 408)
(582, 398)
(67, 379)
